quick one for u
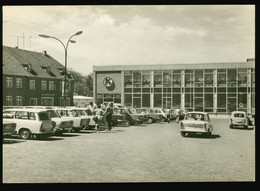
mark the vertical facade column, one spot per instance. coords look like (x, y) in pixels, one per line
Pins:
(182, 89)
(122, 88)
(94, 88)
(152, 89)
(215, 98)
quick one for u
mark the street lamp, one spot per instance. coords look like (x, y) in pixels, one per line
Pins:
(66, 49)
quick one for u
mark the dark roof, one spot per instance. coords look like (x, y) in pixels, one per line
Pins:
(15, 60)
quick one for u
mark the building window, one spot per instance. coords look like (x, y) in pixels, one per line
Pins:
(51, 85)
(242, 101)
(146, 100)
(146, 78)
(18, 82)
(176, 100)
(137, 78)
(19, 101)
(32, 85)
(232, 77)
(128, 78)
(189, 78)
(253, 77)
(188, 101)
(9, 82)
(157, 78)
(33, 101)
(9, 100)
(62, 101)
(208, 100)
(176, 78)
(222, 77)
(198, 78)
(157, 100)
(128, 100)
(47, 101)
(166, 79)
(44, 85)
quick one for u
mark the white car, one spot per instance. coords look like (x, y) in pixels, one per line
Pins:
(30, 122)
(79, 122)
(240, 119)
(196, 122)
(62, 124)
(82, 112)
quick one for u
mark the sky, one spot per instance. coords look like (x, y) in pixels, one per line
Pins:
(134, 35)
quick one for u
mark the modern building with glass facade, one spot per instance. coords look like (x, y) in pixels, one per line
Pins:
(209, 87)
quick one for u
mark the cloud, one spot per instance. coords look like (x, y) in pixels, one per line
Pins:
(135, 34)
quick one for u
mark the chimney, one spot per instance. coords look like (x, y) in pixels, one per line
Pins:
(45, 53)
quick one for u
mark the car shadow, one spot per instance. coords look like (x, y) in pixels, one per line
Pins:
(47, 139)
(242, 128)
(5, 141)
(197, 135)
(66, 135)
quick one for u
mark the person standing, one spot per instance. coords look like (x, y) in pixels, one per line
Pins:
(108, 113)
(98, 118)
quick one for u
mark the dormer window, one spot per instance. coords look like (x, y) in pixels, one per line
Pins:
(47, 69)
(28, 67)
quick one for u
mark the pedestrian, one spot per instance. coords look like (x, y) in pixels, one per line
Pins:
(108, 114)
(168, 115)
(98, 118)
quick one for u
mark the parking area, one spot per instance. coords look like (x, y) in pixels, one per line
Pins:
(143, 153)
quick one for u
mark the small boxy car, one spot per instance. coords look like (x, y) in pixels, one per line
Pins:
(196, 122)
(8, 127)
(79, 122)
(239, 119)
(30, 122)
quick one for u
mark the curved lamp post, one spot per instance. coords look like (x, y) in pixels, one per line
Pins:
(66, 49)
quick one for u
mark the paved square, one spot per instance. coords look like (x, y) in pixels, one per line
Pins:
(144, 153)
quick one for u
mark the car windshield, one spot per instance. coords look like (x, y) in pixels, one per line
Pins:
(81, 112)
(63, 113)
(196, 116)
(239, 115)
(43, 116)
(8, 114)
(53, 114)
(74, 113)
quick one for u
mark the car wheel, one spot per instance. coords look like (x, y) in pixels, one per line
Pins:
(183, 134)
(209, 133)
(25, 134)
(127, 122)
(231, 126)
(245, 126)
(150, 120)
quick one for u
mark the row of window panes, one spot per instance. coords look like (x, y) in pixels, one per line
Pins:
(9, 84)
(223, 101)
(231, 76)
(33, 101)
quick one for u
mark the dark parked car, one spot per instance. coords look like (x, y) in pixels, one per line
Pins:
(130, 117)
(154, 115)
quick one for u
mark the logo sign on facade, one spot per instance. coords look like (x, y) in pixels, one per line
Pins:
(109, 83)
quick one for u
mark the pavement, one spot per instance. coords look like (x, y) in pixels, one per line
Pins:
(144, 153)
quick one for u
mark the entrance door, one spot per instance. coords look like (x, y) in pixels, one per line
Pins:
(232, 102)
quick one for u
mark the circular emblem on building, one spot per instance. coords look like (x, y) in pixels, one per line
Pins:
(108, 82)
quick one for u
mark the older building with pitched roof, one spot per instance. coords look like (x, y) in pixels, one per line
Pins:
(33, 78)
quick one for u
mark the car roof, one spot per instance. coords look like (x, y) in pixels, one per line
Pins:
(198, 112)
(238, 112)
(26, 109)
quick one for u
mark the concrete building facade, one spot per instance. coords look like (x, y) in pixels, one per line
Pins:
(209, 87)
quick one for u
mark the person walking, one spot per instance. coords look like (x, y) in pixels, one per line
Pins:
(98, 118)
(108, 114)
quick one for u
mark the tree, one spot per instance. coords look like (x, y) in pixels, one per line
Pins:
(83, 85)
(89, 85)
